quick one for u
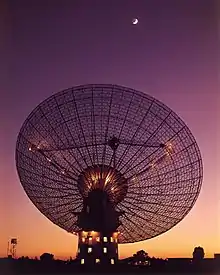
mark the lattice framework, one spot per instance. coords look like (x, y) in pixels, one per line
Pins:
(157, 154)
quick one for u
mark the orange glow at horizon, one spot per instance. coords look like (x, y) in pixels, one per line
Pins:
(36, 234)
(33, 240)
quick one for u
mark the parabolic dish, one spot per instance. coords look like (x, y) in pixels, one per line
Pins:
(70, 132)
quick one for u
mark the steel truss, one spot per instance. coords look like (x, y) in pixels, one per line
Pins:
(117, 127)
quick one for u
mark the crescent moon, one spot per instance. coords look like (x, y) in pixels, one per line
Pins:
(134, 21)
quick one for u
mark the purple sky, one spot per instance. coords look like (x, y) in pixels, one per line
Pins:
(170, 54)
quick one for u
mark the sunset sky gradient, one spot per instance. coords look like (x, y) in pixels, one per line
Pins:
(171, 54)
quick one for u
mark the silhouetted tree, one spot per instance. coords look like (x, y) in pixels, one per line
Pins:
(47, 257)
(141, 257)
(198, 253)
(24, 258)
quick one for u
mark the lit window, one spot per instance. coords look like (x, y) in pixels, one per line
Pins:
(79, 250)
(97, 260)
(111, 240)
(83, 239)
(89, 249)
(90, 240)
(104, 249)
(82, 261)
(112, 261)
(98, 239)
(84, 234)
(105, 239)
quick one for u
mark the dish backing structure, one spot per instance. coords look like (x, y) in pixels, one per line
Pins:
(110, 164)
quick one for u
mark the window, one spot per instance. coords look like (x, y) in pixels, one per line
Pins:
(82, 261)
(111, 240)
(112, 261)
(97, 261)
(90, 240)
(105, 239)
(104, 249)
(83, 239)
(78, 250)
(89, 249)
(116, 240)
(98, 239)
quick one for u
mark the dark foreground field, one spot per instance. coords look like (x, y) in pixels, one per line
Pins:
(36, 267)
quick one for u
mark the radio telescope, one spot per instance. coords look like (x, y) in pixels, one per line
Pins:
(110, 164)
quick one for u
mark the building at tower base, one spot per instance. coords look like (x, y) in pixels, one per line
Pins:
(95, 248)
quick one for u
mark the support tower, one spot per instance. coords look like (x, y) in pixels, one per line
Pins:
(102, 187)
